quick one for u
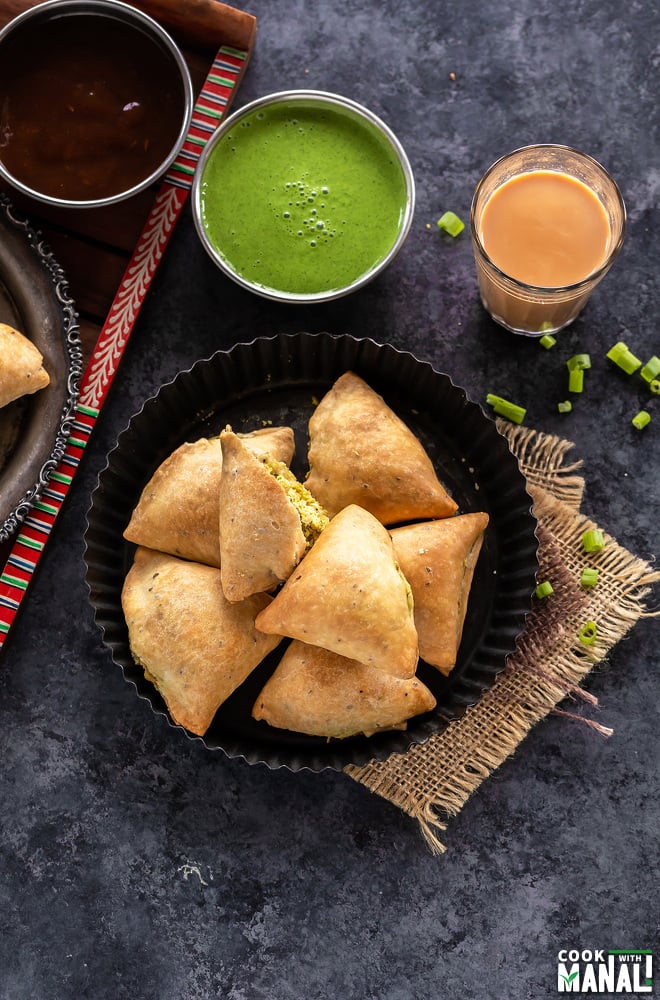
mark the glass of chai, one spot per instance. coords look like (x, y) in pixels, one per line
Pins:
(547, 223)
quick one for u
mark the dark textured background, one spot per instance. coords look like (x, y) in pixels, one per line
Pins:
(135, 864)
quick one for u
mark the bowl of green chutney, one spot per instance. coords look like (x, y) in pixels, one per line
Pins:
(303, 196)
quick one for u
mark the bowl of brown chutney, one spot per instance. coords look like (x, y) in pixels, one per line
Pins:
(96, 102)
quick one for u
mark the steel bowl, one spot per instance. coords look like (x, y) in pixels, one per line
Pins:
(51, 144)
(299, 101)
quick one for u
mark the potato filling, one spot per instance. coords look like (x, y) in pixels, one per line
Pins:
(313, 518)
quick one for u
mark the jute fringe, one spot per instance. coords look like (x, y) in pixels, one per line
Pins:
(542, 458)
(432, 782)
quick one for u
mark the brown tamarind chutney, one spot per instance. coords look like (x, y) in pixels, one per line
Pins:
(90, 106)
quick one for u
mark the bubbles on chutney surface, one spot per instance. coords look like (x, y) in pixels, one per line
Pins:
(306, 221)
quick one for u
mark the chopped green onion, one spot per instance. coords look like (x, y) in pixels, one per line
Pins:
(565, 407)
(593, 540)
(544, 589)
(506, 409)
(576, 380)
(587, 634)
(641, 419)
(651, 369)
(579, 361)
(654, 386)
(589, 577)
(548, 341)
(629, 363)
(617, 350)
(624, 358)
(451, 223)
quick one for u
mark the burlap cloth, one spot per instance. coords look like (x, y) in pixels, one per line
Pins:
(432, 782)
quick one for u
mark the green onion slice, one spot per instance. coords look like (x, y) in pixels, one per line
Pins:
(548, 341)
(565, 407)
(651, 369)
(617, 351)
(582, 361)
(593, 540)
(504, 408)
(588, 633)
(654, 386)
(544, 589)
(576, 380)
(451, 223)
(641, 419)
(589, 577)
(624, 358)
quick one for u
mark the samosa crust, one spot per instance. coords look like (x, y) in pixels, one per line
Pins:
(362, 453)
(320, 693)
(22, 369)
(193, 645)
(179, 507)
(348, 595)
(438, 559)
(261, 536)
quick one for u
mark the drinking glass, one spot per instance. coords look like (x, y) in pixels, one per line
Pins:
(535, 310)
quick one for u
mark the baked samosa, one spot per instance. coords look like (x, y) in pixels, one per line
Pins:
(267, 520)
(361, 452)
(349, 595)
(22, 369)
(320, 693)
(193, 645)
(438, 559)
(179, 507)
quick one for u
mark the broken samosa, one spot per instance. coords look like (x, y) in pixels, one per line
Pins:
(179, 507)
(267, 520)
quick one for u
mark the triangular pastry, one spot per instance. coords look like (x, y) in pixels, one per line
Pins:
(320, 693)
(361, 452)
(193, 645)
(179, 507)
(438, 559)
(22, 370)
(348, 595)
(267, 520)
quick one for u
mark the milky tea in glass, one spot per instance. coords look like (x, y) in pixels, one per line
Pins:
(547, 223)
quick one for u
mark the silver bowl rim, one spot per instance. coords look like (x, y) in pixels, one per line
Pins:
(323, 97)
(126, 12)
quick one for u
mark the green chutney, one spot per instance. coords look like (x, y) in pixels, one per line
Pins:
(301, 198)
